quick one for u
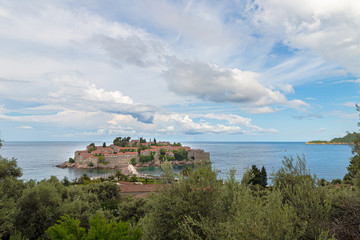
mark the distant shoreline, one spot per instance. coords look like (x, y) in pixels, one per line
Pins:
(327, 143)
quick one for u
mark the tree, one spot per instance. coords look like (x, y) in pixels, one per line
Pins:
(263, 177)
(142, 140)
(67, 228)
(121, 142)
(9, 168)
(354, 166)
(39, 208)
(168, 172)
(100, 228)
(256, 177)
(187, 171)
(104, 144)
(256, 180)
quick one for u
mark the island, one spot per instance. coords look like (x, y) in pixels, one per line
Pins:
(346, 140)
(125, 153)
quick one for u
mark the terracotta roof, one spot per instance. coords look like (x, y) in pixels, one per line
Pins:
(129, 187)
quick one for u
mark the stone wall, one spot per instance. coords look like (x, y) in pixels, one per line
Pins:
(198, 155)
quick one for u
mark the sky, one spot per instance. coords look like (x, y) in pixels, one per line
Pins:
(241, 70)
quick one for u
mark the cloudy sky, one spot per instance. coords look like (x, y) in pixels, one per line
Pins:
(256, 70)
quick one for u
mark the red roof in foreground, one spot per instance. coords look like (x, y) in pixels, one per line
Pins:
(130, 187)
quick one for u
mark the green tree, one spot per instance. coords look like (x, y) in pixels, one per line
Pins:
(39, 208)
(180, 154)
(187, 171)
(263, 177)
(196, 196)
(354, 166)
(104, 144)
(122, 142)
(9, 168)
(299, 189)
(168, 173)
(10, 190)
(256, 180)
(100, 229)
(67, 228)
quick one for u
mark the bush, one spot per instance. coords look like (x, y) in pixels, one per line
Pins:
(133, 161)
(100, 228)
(71, 160)
(90, 164)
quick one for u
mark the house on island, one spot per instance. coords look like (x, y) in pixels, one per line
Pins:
(137, 153)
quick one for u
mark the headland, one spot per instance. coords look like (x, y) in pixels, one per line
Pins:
(346, 140)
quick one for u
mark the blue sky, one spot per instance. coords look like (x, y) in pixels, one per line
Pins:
(259, 70)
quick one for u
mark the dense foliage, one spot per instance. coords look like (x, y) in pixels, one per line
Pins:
(121, 142)
(197, 205)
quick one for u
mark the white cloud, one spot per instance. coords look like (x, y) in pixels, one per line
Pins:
(321, 130)
(25, 127)
(213, 83)
(350, 81)
(327, 28)
(350, 104)
(173, 123)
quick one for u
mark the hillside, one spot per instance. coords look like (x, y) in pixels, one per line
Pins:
(348, 139)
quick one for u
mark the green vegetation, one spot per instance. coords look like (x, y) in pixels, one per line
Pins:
(348, 139)
(133, 161)
(101, 159)
(256, 177)
(144, 159)
(176, 144)
(197, 205)
(91, 147)
(121, 142)
(180, 154)
(71, 160)
(319, 142)
(100, 228)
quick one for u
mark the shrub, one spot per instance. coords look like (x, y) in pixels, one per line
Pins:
(133, 161)
(71, 160)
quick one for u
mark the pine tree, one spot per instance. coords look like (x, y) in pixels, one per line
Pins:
(263, 177)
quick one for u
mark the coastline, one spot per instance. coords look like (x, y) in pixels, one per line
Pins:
(327, 143)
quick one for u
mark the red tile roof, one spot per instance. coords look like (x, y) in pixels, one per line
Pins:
(129, 187)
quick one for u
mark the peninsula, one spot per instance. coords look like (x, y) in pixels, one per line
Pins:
(346, 140)
(125, 152)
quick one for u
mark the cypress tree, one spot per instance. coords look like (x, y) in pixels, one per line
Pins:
(263, 177)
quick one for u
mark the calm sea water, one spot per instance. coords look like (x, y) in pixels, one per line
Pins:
(38, 159)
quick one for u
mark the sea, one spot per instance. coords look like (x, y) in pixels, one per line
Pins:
(38, 160)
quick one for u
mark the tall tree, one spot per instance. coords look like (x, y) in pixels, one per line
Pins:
(354, 166)
(263, 177)
(256, 180)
